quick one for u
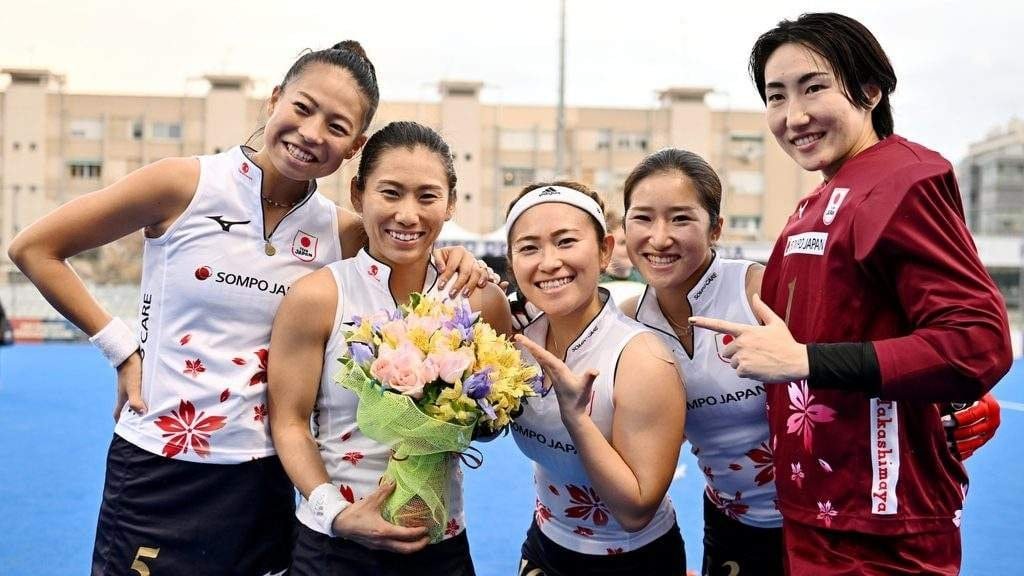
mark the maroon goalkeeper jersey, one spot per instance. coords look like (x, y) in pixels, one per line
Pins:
(881, 253)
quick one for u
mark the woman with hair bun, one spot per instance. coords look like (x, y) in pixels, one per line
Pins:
(193, 485)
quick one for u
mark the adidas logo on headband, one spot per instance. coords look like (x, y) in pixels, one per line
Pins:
(550, 190)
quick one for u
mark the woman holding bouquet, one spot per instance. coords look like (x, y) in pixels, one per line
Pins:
(192, 482)
(405, 191)
(605, 444)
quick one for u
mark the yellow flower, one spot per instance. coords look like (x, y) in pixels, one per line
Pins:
(445, 341)
(364, 333)
(419, 338)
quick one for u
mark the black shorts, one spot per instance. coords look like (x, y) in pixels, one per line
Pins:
(664, 556)
(317, 554)
(167, 517)
(732, 548)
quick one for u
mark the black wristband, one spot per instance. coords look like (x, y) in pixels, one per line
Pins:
(851, 366)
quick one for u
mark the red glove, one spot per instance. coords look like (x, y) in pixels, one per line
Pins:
(970, 427)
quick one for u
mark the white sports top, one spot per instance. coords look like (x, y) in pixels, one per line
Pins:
(568, 509)
(726, 418)
(209, 294)
(354, 462)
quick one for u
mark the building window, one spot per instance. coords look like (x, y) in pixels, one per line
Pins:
(527, 140)
(167, 130)
(16, 188)
(746, 183)
(86, 129)
(32, 146)
(631, 141)
(16, 146)
(517, 176)
(136, 130)
(32, 188)
(87, 169)
(745, 224)
(746, 146)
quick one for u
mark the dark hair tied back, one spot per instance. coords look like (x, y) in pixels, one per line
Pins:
(408, 135)
(349, 55)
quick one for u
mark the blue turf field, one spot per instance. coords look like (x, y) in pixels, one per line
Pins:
(55, 425)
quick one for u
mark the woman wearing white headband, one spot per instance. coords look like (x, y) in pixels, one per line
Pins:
(605, 444)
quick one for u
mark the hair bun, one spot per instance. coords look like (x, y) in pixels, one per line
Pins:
(351, 46)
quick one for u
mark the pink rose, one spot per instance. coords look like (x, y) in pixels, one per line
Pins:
(403, 369)
(451, 364)
(429, 324)
(394, 331)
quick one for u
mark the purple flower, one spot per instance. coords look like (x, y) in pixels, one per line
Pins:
(537, 383)
(478, 385)
(486, 407)
(463, 320)
(360, 353)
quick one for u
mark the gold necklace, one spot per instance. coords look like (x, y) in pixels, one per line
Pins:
(271, 202)
(687, 329)
(276, 204)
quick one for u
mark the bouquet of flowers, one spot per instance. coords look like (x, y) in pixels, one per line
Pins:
(430, 377)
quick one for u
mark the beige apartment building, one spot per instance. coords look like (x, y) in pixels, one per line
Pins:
(56, 145)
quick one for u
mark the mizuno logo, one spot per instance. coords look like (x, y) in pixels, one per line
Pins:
(227, 224)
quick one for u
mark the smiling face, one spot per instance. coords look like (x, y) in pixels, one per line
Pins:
(809, 112)
(557, 258)
(315, 123)
(668, 231)
(404, 203)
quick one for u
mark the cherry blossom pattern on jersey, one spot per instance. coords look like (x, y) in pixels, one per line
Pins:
(731, 507)
(805, 413)
(352, 457)
(261, 412)
(826, 512)
(260, 377)
(185, 429)
(797, 474)
(542, 513)
(763, 459)
(612, 551)
(347, 493)
(193, 368)
(452, 529)
(587, 505)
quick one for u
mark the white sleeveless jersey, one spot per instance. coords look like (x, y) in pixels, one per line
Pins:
(209, 294)
(568, 509)
(354, 462)
(726, 417)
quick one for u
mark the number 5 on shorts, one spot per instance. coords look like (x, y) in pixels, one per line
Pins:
(138, 565)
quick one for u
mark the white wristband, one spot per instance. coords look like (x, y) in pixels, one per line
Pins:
(326, 503)
(116, 341)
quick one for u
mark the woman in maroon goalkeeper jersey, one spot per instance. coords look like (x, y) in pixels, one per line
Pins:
(875, 307)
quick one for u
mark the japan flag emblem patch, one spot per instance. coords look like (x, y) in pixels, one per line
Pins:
(304, 246)
(721, 341)
(834, 202)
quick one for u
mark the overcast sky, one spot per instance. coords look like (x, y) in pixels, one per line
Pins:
(960, 64)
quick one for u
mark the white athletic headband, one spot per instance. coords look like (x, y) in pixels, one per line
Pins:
(561, 194)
